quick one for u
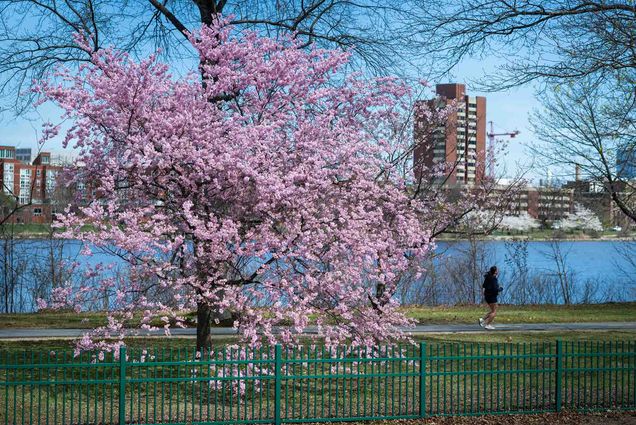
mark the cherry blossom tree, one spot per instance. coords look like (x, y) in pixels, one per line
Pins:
(522, 222)
(280, 189)
(271, 184)
(582, 218)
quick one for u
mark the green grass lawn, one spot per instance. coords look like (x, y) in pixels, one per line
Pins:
(28, 229)
(62, 320)
(612, 312)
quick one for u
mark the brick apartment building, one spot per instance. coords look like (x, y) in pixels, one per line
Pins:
(546, 204)
(549, 204)
(461, 144)
(30, 184)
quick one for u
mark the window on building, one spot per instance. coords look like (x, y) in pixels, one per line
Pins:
(25, 186)
(37, 211)
(6, 154)
(7, 181)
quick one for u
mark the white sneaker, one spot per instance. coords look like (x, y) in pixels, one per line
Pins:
(481, 322)
(489, 327)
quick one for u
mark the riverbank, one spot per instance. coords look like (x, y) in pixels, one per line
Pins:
(464, 314)
(26, 231)
(44, 231)
(546, 235)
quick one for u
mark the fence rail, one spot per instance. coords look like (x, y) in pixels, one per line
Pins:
(313, 384)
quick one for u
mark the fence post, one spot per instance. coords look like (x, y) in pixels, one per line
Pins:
(122, 385)
(559, 372)
(277, 377)
(422, 379)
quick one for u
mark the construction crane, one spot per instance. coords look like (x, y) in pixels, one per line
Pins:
(491, 145)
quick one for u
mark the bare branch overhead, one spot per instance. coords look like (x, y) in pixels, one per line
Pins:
(549, 41)
(36, 35)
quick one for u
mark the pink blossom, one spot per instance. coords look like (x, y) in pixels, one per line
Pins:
(273, 185)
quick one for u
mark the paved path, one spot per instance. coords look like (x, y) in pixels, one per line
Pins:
(34, 333)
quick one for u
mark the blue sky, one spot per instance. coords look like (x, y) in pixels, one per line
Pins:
(508, 109)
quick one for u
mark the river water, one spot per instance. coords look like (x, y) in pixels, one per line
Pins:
(599, 260)
(598, 271)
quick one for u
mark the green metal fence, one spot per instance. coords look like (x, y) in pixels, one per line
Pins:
(313, 384)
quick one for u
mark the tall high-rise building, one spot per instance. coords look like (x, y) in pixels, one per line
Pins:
(461, 143)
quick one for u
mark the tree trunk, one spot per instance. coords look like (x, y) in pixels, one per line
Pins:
(204, 314)
(208, 10)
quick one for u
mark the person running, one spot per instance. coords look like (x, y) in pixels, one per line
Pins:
(491, 290)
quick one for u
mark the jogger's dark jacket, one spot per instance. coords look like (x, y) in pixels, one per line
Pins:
(491, 285)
